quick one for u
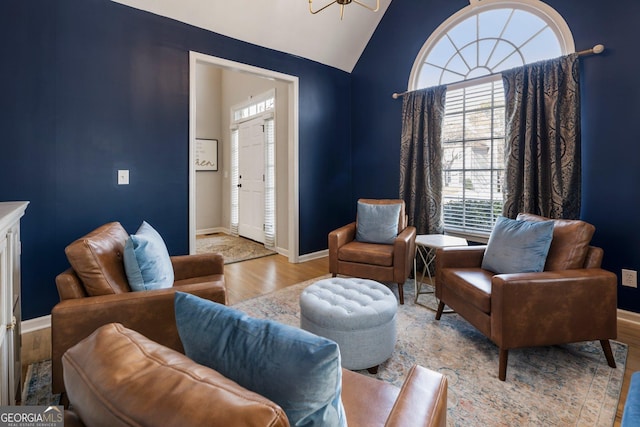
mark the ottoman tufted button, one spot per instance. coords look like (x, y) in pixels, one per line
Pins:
(359, 314)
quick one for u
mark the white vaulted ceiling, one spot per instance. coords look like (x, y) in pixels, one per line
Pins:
(284, 25)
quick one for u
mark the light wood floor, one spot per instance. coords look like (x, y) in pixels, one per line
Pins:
(244, 280)
(252, 278)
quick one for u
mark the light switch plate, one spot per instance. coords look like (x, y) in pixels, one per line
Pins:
(123, 177)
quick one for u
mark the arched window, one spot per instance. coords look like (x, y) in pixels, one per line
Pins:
(466, 53)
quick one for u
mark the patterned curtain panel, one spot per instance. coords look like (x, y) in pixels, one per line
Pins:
(543, 164)
(421, 158)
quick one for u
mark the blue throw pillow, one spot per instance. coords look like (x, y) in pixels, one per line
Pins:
(294, 368)
(146, 260)
(377, 223)
(518, 246)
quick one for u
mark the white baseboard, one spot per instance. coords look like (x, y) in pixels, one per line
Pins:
(313, 255)
(36, 324)
(213, 230)
(282, 251)
(630, 318)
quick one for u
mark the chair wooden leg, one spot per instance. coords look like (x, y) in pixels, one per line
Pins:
(64, 400)
(334, 274)
(401, 292)
(502, 364)
(440, 310)
(606, 346)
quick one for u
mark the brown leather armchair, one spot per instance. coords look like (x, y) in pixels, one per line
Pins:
(99, 293)
(381, 262)
(572, 300)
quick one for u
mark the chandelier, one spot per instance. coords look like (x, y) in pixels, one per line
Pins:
(342, 3)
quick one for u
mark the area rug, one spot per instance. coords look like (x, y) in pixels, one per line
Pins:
(37, 386)
(232, 248)
(545, 386)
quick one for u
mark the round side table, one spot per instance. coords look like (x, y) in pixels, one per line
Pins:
(426, 246)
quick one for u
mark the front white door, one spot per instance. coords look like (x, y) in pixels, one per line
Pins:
(251, 180)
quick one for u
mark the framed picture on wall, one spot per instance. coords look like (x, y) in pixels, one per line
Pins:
(206, 154)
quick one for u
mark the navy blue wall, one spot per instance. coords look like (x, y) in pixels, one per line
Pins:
(91, 86)
(610, 111)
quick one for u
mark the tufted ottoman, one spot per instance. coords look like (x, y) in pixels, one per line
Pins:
(358, 314)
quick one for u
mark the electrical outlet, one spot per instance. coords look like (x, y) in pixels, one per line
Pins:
(630, 278)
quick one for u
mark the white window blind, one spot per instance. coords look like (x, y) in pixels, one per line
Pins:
(234, 181)
(269, 184)
(473, 158)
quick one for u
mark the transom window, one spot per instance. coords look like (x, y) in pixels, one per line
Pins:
(255, 108)
(466, 53)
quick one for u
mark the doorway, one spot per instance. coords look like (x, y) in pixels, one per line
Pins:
(287, 204)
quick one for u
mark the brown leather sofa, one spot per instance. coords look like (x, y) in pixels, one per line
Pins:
(572, 300)
(172, 390)
(384, 263)
(98, 293)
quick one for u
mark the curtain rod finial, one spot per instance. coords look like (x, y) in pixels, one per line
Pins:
(599, 48)
(395, 95)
